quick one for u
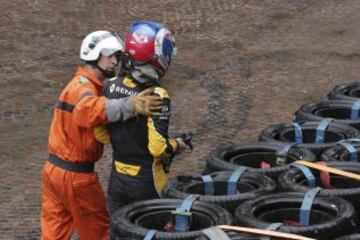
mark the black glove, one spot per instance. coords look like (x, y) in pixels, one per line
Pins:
(186, 138)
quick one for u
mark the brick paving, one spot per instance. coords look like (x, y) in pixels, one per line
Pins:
(242, 64)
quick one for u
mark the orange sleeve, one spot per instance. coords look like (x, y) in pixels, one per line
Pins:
(89, 110)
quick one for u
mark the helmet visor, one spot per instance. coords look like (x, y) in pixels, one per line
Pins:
(111, 45)
(109, 51)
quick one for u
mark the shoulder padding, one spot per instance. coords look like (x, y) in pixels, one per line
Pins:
(83, 79)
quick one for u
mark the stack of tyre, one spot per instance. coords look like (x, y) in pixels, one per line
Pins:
(260, 185)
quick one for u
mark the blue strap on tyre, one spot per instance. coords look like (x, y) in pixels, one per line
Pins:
(351, 149)
(232, 183)
(150, 234)
(282, 153)
(208, 185)
(182, 214)
(307, 173)
(320, 131)
(306, 206)
(355, 110)
(271, 227)
(298, 133)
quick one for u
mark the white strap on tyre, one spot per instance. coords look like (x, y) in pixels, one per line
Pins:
(307, 173)
(355, 110)
(232, 183)
(150, 234)
(273, 226)
(298, 133)
(208, 185)
(182, 213)
(264, 232)
(306, 206)
(282, 153)
(215, 233)
(320, 130)
(351, 149)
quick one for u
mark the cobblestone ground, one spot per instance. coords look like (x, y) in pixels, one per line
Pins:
(242, 65)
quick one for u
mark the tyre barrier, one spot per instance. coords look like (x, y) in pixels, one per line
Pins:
(224, 232)
(327, 218)
(345, 112)
(138, 219)
(246, 186)
(231, 235)
(344, 151)
(294, 180)
(355, 236)
(346, 91)
(266, 158)
(314, 136)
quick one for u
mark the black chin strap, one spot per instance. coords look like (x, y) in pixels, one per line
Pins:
(105, 73)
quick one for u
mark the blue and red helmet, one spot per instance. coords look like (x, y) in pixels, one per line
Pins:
(150, 42)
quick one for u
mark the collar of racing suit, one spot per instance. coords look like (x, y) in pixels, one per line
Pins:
(89, 75)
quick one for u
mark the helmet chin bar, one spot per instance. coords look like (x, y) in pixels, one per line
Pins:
(142, 78)
(145, 73)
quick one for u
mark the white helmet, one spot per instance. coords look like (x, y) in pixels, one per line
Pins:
(103, 42)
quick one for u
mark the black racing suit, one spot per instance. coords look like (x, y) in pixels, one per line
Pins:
(139, 145)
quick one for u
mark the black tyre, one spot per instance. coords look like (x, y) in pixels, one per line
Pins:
(339, 111)
(340, 153)
(230, 157)
(240, 236)
(329, 217)
(285, 133)
(346, 91)
(135, 220)
(350, 237)
(349, 189)
(249, 186)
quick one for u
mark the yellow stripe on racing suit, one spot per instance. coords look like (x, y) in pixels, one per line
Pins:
(140, 143)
